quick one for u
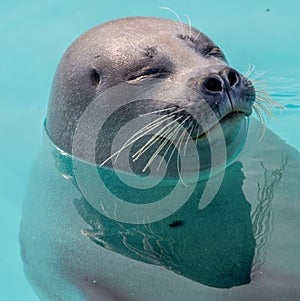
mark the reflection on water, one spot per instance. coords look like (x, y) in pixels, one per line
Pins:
(219, 246)
(263, 215)
(214, 246)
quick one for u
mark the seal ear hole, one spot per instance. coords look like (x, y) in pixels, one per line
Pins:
(95, 77)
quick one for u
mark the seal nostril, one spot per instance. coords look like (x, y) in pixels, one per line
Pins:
(232, 78)
(213, 85)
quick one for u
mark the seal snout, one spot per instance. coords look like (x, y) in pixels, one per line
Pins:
(227, 79)
(230, 89)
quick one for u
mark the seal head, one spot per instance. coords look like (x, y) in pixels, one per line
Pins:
(142, 52)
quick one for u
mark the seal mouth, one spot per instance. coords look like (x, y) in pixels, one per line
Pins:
(236, 116)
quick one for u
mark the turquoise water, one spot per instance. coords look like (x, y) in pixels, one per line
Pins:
(34, 36)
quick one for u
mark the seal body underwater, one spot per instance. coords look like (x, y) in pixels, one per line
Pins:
(76, 247)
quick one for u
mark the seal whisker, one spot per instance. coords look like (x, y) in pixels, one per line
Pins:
(168, 138)
(198, 132)
(260, 107)
(262, 92)
(158, 122)
(158, 111)
(264, 97)
(166, 141)
(175, 146)
(150, 141)
(166, 135)
(261, 120)
(187, 140)
(163, 144)
(152, 125)
(197, 36)
(190, 26)
(130, 141)
(258, 113)
(256, 76)
(264, 104)
(146, 129)
(178, 157)
(250, 70)
(179, 21)
(174, 133)
(259, 82)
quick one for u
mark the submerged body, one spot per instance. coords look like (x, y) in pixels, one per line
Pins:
(233, 244)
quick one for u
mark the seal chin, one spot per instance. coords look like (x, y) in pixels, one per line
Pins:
(232, 129)
(230, 123)
(235, 128)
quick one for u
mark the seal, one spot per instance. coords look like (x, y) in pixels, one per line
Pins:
(97, 225)
(140, 51)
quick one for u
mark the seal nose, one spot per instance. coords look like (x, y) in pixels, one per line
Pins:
(226, 79)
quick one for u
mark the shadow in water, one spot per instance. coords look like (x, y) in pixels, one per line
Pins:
(214, 246)
(221, 246)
